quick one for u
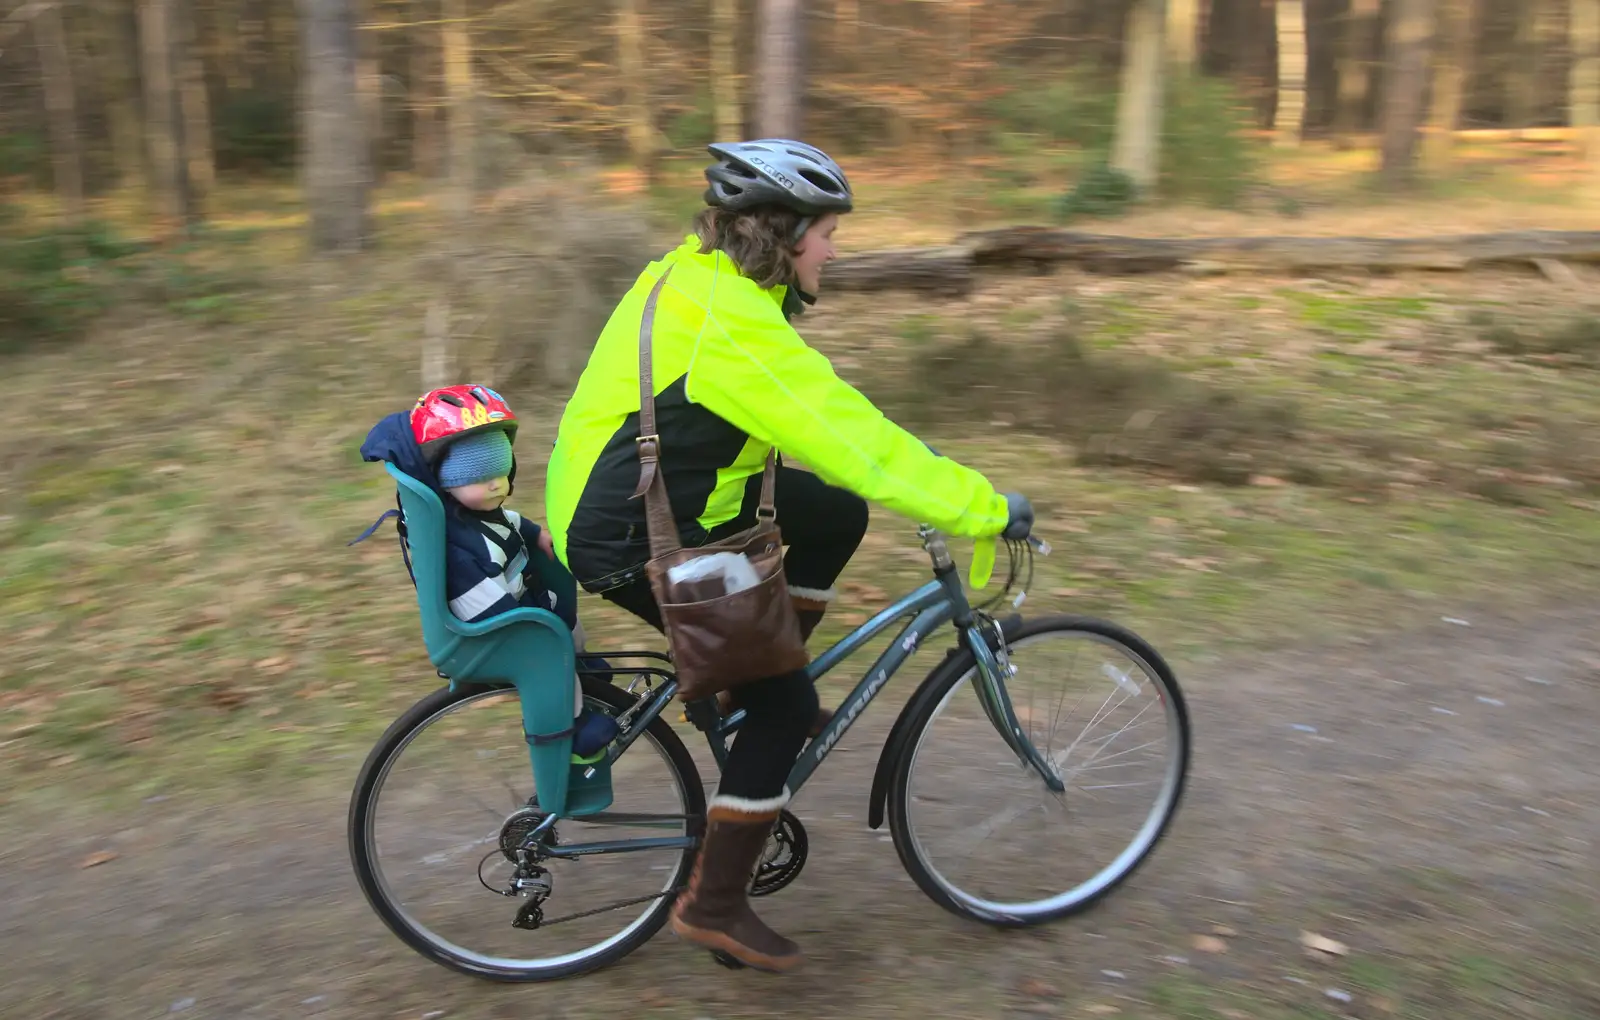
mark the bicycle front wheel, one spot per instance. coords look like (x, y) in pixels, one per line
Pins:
(977, 828)
(446, 798)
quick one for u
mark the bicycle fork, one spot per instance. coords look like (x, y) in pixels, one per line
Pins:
(993, 670)
(990, 686)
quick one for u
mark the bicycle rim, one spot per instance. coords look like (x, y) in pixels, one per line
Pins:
(978, 829)
(425, 870)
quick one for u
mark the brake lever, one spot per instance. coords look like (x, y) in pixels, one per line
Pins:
(1039, 545)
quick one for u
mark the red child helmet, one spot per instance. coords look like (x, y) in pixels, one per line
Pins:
(444, 415)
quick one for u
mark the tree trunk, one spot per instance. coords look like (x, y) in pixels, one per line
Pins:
(422, 90)
(226, 29)
(1410, 30)
(119, 73)
(958, 133)
(846, 30)
(1354, 66)
(779, 46)
(461, 127)
(1585, 86)
(163, 128)
(1137, 149)
(336, 170)
(437, 368)
(1183, 34)
(1457, 27)
(636, 87)
(724, 70)
(199, 162)
(55, 68)
(1291, 110)
(440, 354)
(254, 41)
(369, 75)
(1522, 76)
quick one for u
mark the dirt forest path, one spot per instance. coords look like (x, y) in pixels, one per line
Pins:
(1430, 799)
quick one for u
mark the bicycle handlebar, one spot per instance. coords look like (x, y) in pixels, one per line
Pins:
(928, 533)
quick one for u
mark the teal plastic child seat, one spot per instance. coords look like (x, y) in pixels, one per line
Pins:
(528, 648)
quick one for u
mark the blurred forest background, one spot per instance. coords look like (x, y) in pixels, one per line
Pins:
(172, 100)
(235, 233)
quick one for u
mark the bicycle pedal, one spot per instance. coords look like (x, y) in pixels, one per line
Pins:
(727, 960)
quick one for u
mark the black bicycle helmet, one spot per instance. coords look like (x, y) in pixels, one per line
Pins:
(777, 170)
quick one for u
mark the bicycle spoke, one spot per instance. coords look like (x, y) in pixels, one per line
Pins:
(971, 833)
(427, 861)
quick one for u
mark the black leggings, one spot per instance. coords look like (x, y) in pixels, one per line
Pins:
(822, 526)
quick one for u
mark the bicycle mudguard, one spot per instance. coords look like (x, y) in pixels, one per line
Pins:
(895, 744)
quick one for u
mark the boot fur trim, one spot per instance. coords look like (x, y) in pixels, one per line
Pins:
(724, 804)
(823, 595)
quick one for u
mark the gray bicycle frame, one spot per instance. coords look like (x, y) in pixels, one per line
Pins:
(938, 602)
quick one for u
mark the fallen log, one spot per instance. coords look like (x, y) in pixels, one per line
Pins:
(947, 268)
(952, 268)
(1112, 253)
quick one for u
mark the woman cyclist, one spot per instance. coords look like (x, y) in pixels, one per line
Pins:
(732, 380)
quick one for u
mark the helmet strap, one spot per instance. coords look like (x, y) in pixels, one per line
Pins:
(801, 228)
(795, 300)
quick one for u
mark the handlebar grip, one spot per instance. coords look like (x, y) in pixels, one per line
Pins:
(1020, 510)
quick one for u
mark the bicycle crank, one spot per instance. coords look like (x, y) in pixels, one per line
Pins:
(783, 857)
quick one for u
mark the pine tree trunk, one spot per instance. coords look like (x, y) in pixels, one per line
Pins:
(846, 30)
(1354, 69)
(1291, 109)
(226, 18)
(461, 120)
(779, 49)
(119, 73)
(1183, 34)
(1522, 76)
(724, 70)
(195, 104)
(1409, 35)
(169, 176)
(422, 90)
(336, 171)
(369, 74)
(1457, 25)
(253, 41)
(1585, 83)
(60, 98)
(636, 87)
(1137, 149)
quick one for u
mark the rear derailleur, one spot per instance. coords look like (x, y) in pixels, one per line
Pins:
(519, 837)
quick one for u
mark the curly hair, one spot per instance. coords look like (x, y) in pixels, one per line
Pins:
(756, 239)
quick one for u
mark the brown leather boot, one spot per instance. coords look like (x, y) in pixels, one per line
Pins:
(714, 911)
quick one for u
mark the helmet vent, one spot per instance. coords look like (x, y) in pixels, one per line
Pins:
(821, 180)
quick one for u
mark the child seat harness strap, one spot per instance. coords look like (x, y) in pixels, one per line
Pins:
(399, 526)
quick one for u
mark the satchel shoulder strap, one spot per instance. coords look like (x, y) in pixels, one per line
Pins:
(662, 528)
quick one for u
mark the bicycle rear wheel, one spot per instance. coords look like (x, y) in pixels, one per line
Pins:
(444, 800)
(1116, 733)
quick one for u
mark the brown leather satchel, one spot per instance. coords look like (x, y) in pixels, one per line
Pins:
(719, 637)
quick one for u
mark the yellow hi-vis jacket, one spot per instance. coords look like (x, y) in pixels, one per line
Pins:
(732, 379)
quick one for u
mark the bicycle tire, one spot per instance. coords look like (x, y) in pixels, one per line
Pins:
(394, 738)
(958, 668)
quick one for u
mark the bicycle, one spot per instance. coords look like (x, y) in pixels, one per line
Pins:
(972, 682)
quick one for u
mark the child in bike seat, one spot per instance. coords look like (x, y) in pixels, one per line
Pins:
(457, 440)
